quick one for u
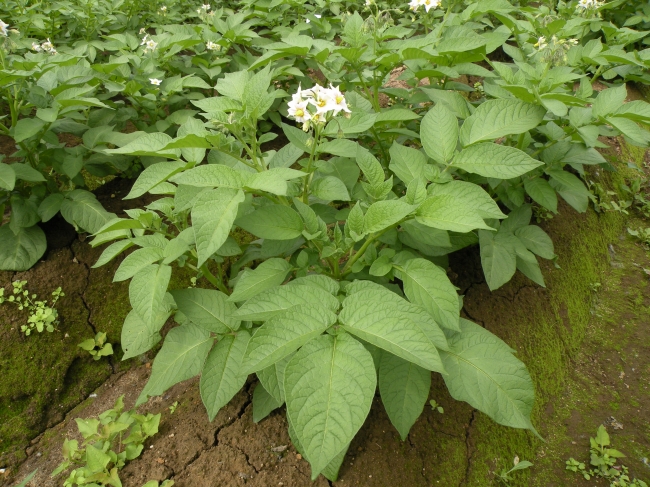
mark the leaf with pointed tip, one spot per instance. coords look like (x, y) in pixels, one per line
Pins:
(404, 388)
(329, 386)
(147, 291)
(446, 212)
(267, 304)
(154, 175)
(274, 222)
(180, 358)
(439, 133)
(221, 377)
(263, 403)
(536, 240)
(498, 257)
(212, 176)
(383, 214)
(19, 251)
(268, 274)
(207, 308)
(136, 261)
(395, 325)
(112, 251)
(472, 196)
(495, 161)
(272, 378)
(139, 337)
(427, 284)
(213, 215)
(331, 472)
(285, 333)
(482, 370)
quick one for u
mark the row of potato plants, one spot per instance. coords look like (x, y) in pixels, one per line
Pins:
(316, 163)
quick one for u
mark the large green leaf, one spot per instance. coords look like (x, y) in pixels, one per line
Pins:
(482, 371)
(112, 251)
(268, 303)
(222, 376)
(7, 177)
(471, 195)
(213, 215)
(274, 222)
(427, 284)
(407, 163)
(394, 324)
(331, 472)
(82, 210)
(571, 188)
(536, 240)
(541, 193)
(497, 118)
(26, 128)
(20, 251)
(139, 337)
(136, 261)
(268, 274)
(285, 333)
(147, 291)
(446, 212)
(495, 161)
(180, 358)
(609, 101)
(212, 176)
(439, 133)
(152, 176)
(329, 188)
(383, 214)
(404, 388)
(498, 257)
(207, 308)
(329, 386)
(272, 378)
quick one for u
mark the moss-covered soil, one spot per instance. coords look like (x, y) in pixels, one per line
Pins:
(585, 339)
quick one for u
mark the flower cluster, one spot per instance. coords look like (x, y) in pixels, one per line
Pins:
(589, 4)
(150, 44)
(554, 51)
(204, 10)
(46, 46)
(163, 8)
(3, 28)
(316, 105)
(155, 81)
(427, 4)
(212, 46)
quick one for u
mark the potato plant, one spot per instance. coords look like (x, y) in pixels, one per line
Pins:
(316, 162)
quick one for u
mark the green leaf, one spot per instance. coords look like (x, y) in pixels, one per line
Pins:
(536, 240)
(439, 133)
(269, 303)
(404, 389)
(27, 173)
(329, 385)
(383, 214)
(148, 144)
(269, 273)
(329, 188)
(527, 264)
(446, 212)
(369, 165)
(263, 403)
(427, 284)
(112, 251)
(541, 193)
(139, 337)
(393, 324)
(407, 163)
(50, 206)
(495, 161)
(147, 291)
(482, 371)
(20, 251)
(212, 176)
(570, 188)
(154, 175)
(498, 257)
(221, 377)
(330, 472)
(285, 333)
(96, 459)
(207, 308)
(7, 177)
(609, 101)
(471, 195)
(26, 128)
(272, 378)
(274, 222)
(497, 118)
(180, 358)
(81, 209)
(213, 215)
(136, 261)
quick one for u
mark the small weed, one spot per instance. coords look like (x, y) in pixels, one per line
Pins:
(436, 406)
(505, 478)
(172, 408)
(603, 463)
(642, 235)
(97, 347)
(109, 442)
(42, 316)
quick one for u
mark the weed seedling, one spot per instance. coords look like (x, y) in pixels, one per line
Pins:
(505, 478)
(97, 347)
(42, 316)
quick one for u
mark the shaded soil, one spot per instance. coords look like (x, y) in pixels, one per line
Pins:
(585, 339)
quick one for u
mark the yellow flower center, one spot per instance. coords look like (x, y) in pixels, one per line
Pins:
(300, 112)
(339, 99)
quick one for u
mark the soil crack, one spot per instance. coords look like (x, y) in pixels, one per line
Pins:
(470, 452)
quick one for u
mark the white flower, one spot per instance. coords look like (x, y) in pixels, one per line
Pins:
(316, 105)
(205, 7)
(308, 21)
(3, 28)
(36, 47)
(163, 8)
(150, 46)
(198, 11)
(589, 4)
(298, 110)
(155, 82)
(317, 16)
(339, 100)
(143, 31)
(427, 4)
(212, 46)
(541, 43)
(144, 39)
(47, 46)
